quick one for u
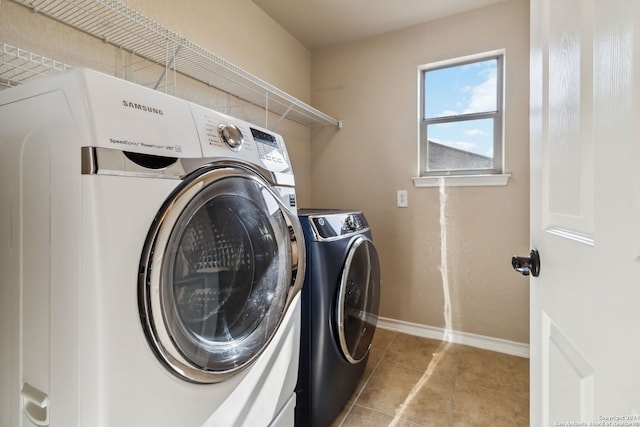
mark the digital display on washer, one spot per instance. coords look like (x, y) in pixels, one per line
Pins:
(263, 137)
(271, 152)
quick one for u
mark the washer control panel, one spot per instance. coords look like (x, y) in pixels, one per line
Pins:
(337, 225)
(228, 137)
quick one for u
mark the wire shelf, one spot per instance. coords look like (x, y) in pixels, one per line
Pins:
(19, 65)
(118, 24)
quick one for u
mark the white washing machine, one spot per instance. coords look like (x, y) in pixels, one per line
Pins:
(151, 261)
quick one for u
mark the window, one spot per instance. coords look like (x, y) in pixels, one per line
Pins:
(461, 116)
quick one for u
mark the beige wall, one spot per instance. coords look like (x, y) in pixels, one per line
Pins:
(372, 85)
(236, 30)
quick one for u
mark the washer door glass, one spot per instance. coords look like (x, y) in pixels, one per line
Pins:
(220, 275)
(358, 300)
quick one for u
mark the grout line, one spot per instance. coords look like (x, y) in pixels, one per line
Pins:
(452, 405)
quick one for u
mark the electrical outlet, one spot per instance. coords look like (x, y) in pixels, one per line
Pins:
(402, 199)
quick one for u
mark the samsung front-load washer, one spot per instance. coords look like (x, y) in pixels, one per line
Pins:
(340, 301)
(150, 254)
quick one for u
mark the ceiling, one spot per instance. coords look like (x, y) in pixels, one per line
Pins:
(321, 23)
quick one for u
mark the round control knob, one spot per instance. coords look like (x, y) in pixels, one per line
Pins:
(231, 135)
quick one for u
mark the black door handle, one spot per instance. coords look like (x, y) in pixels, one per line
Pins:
(527, 265)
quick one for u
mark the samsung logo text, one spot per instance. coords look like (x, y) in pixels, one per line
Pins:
(142, 107)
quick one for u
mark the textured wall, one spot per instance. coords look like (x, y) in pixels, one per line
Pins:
(373, 86)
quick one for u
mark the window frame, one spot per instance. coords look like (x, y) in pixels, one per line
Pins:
(497, 116)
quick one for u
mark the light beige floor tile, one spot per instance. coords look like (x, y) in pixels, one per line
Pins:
(445, 361)
(364, 417)
(381, 341)
(479, 406)
(498, 371)
(422, 354)
(375, 354)
(409, 394)
(410, 351)
(429, 402)
(382, 338)
(388, 387)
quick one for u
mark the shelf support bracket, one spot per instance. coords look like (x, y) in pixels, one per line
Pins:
(168, 66)
(275, 125)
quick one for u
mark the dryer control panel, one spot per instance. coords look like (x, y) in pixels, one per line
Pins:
(338, 224)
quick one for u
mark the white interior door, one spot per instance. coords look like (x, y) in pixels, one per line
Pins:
(585, 211)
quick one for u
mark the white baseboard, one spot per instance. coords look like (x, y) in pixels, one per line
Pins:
(480, 341)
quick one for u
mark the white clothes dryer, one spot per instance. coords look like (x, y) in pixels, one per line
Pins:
(149, 256)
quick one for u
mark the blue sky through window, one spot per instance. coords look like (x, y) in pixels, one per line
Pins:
(459, 90)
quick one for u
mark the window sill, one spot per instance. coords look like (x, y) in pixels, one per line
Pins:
(462, 180)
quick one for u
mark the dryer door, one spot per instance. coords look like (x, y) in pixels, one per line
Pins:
(218, 272)
(358, 300)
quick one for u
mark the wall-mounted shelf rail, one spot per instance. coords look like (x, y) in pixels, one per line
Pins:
(118, 24)
(19, 65)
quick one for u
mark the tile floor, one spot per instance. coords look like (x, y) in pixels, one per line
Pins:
(411, 381)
